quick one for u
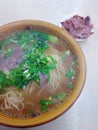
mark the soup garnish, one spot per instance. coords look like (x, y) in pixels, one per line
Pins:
(36, 72)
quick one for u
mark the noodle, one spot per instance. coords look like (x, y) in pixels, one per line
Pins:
(56, 75)
(30, 87)
(12, 99)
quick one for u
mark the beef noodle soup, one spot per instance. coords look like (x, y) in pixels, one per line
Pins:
(37, 73)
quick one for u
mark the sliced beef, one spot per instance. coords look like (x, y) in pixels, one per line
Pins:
(78, 27)
(43, 79)
(7, 64)
(14, 60)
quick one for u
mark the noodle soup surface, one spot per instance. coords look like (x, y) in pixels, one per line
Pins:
(38, 72)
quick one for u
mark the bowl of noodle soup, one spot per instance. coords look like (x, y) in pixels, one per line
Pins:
(42, 72)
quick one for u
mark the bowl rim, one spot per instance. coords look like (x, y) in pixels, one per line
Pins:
(13, 122)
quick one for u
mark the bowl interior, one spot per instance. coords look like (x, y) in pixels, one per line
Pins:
(75, 63)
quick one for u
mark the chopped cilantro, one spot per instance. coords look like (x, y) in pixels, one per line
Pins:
(70, 73)
(52, 38)
(4, 81)
(45, 103)
(60, 96)
(73, 64)
(31, 111)
(50, 101)
(68, 52)
(65, 54)
(50, 98)
(56, 96)
(69, 86)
